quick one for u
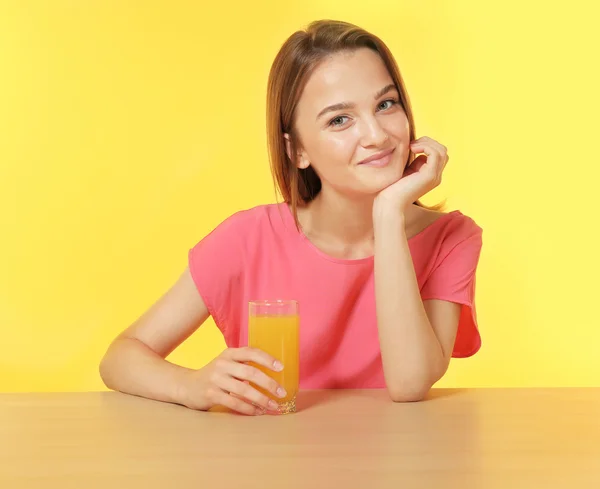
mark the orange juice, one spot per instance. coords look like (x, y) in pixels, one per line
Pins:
(278, 335)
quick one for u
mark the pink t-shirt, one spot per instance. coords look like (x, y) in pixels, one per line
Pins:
(260, 254)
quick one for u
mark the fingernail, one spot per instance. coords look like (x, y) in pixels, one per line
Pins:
(278, 365)
(281, 392)
(273, 405)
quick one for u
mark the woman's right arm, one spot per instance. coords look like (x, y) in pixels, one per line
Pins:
(135, 361)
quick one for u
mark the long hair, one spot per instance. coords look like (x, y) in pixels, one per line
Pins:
(293, 65)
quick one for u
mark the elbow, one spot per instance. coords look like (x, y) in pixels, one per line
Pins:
(111, 363)
(409, 391)
(417, 387)
(106, 371)
(408, 395)
(103, 370)
(413, 385)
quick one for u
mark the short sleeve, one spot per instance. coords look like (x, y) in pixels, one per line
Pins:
(453, 279)
(215, 265)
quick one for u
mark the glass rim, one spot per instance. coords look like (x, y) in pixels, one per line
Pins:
(273, 302)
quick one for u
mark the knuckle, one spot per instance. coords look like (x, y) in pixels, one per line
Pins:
(220, 363)
(211, 393)
(229, 353)
(213, 377)
(243, 372)
(248, 392)
(250, 372)
(245, 354)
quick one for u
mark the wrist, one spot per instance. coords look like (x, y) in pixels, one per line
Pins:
(388, 214)
(387, 201)
(182, 381)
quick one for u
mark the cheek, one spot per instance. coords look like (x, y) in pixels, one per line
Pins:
(336, 149)
(398, 127)
(341, 146)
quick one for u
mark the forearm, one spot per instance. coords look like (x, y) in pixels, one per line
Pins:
(130, 366)
(413, 359)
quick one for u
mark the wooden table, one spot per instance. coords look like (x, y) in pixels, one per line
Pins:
(490, 438)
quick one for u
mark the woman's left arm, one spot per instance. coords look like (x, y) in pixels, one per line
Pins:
(416, 337)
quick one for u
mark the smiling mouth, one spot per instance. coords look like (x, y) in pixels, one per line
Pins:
(380, 161)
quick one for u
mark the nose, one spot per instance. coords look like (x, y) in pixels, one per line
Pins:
(373, 134)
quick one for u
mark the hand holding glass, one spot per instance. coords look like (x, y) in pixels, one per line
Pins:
(274, 327)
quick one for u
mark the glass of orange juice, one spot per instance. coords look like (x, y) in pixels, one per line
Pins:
(274, 327)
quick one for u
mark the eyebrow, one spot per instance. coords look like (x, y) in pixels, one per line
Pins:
(349, 105)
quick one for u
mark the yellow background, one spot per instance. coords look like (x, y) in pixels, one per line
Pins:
(128, 130)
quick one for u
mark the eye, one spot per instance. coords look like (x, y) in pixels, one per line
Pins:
(339, 120)
(335, 122)
(392, 102)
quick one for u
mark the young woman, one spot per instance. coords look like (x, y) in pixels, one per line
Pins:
(386, 284)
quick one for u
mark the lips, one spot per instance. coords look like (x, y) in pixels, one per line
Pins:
(377, 157)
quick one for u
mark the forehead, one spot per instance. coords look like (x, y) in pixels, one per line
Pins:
(345, 77)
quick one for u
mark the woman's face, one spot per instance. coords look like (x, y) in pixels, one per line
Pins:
(349, 111)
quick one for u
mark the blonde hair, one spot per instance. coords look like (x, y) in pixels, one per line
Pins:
(298, 57)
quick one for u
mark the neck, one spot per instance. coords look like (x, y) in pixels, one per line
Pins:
(339, 218)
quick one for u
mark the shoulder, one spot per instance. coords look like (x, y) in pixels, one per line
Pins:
(459, 239)
(452, 226)
(462, 227)
(234, 234)
(250, 218)
(247, 228)
(445, 235)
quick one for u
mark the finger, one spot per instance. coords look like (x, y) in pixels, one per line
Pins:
(260, 409)
(257, 356)
(248, 393)
(434, 147)
(427, 140)
(444, 156)
(435, 159)
(422, 147)
(236, 404)
(426, 147)
(430, 160)
(242, 371)
(415, 166)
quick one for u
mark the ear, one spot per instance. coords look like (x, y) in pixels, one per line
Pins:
(288, 145)
(301, 161)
